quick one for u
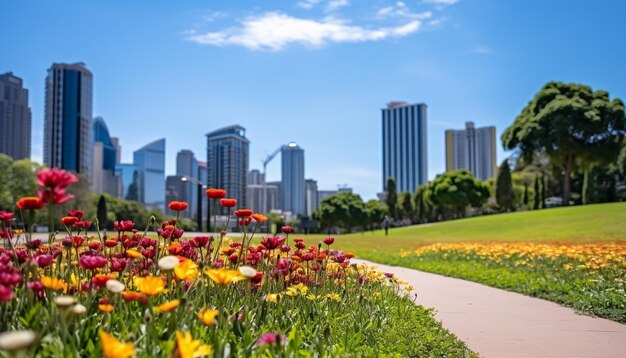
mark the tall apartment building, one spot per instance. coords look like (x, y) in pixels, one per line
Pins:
(105, 157)
(292, 179)
(311, 202)
(404, 145)
(68, 115)
(227, 162)
(15, 117)
(473, 149)
(150, 163)
(187, 166)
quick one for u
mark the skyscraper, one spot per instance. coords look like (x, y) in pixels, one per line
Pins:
(404, 145)
(256, 177)
(227, 161)
(202, 177)
(129, 181)
(187, 166)
(473, 149)
(150, 163)
(311, 197)
(15, 117)
(67, 127)
(292, 179)
(104, 160)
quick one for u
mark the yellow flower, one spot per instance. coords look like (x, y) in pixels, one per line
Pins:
(207, 316)
(186, 270)
(168, 306)
(312, 296)
(53, 283)
(112, 348)
(106, 308)
(333, 296)
(224, 277)
(296, 290)
(134, 254)
(150, 285)
(187, 347)
(272, 297)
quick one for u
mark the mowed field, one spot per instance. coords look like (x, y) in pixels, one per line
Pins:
(578, 224)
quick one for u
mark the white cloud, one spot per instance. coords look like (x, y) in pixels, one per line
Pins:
(336, 4)
(308, 4)
(441, 2)
(401, 10)
(481, 50)
(273, 31)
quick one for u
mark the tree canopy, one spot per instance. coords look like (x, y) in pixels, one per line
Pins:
(504, 187)
(457, 190)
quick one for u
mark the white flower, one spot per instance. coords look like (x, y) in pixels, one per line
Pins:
(247, 271)
(64, 301)
(79, 309)
(168, 263)
(16, 340)
(115, 286)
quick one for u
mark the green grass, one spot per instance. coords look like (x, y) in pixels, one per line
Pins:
(579, 224)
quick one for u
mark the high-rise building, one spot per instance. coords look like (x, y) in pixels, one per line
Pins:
(187, 166)
(292, 179)
(175, 189)
(256, 177)
(311, 201)
(254, 195)
(67, 127)
(203, 178)
(104, 160)
(15, 117)
(404, 145)
(128, 185)
(473, 149)
(150, 163)
(227, 161)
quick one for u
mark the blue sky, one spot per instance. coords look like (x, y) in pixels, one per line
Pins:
(312, 71)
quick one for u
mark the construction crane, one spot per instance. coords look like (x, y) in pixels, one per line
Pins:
(265, 163)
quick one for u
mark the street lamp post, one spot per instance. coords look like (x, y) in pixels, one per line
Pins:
(198, 199)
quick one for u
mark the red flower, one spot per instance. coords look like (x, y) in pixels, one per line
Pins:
(76, 213)
(216, 193)
(123, 225)
(54, 195)
(92, 262)
(69, 220)
(6, 216)
(178, 205)
(44, 260)
(55, 178)
(110, 243)
(243, 213)
(30, 202)
(77, 241)
(94, 245)
(83, 224)
(272, 243)
(329, 240)
(287, 229)
(228, 203)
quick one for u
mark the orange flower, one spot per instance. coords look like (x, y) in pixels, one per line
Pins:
(224, 277)
(150, 285)
(186, 270)
(243, 213)
(207, 316)
(131, 296)
(168, 306)
(187, 347)
(175, 248)
(101, 280)
(105, 308)
(30, 202)
(178, 205)
(53, 283)
(112, 348)
(134, 254)
(216, 193)
(228, 203)
(260, 218)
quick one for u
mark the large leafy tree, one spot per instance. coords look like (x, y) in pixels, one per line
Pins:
(572, 124)
(504, 187)
(421, 204)
(457, 190)
(375, 212)
(405, 206)
(344, 210)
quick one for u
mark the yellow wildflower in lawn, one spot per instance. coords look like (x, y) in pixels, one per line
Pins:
(187, 347)
(312, 296)
(53, 283)
(106, 308)
(207, 316)
(150, 285)
(186, 270)
(272, 297)
(112, 348)
(333, 296)
(168, 306)
(224, 277)
(134, 254)
(297, 290)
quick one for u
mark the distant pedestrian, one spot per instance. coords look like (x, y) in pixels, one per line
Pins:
(386, 223)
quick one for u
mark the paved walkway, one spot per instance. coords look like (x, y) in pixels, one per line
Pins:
(498, 323)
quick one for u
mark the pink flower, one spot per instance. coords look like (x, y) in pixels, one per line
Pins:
(329, 240)
(55, 178)
(6, 216)
(92, 262)
(44, 260)
(54, 195)
(6, 294)
(287, 229)
(271, 338)
(272, 243)
(76, 213)
(123, 225)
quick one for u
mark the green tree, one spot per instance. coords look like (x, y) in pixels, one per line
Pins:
(391, 197)
(375, 212)
(405, 206)
(344, 210)
(457, 190)
(102, 212)
(526, 195)
(422, 211)
(504, 187)
(536, 197)
(569, 122)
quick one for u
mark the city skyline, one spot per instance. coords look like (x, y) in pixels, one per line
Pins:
(468, 60)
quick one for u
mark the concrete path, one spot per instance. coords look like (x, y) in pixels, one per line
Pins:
(498, 323)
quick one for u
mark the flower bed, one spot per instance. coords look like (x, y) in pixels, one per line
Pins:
(128, 294)
(588, 277)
